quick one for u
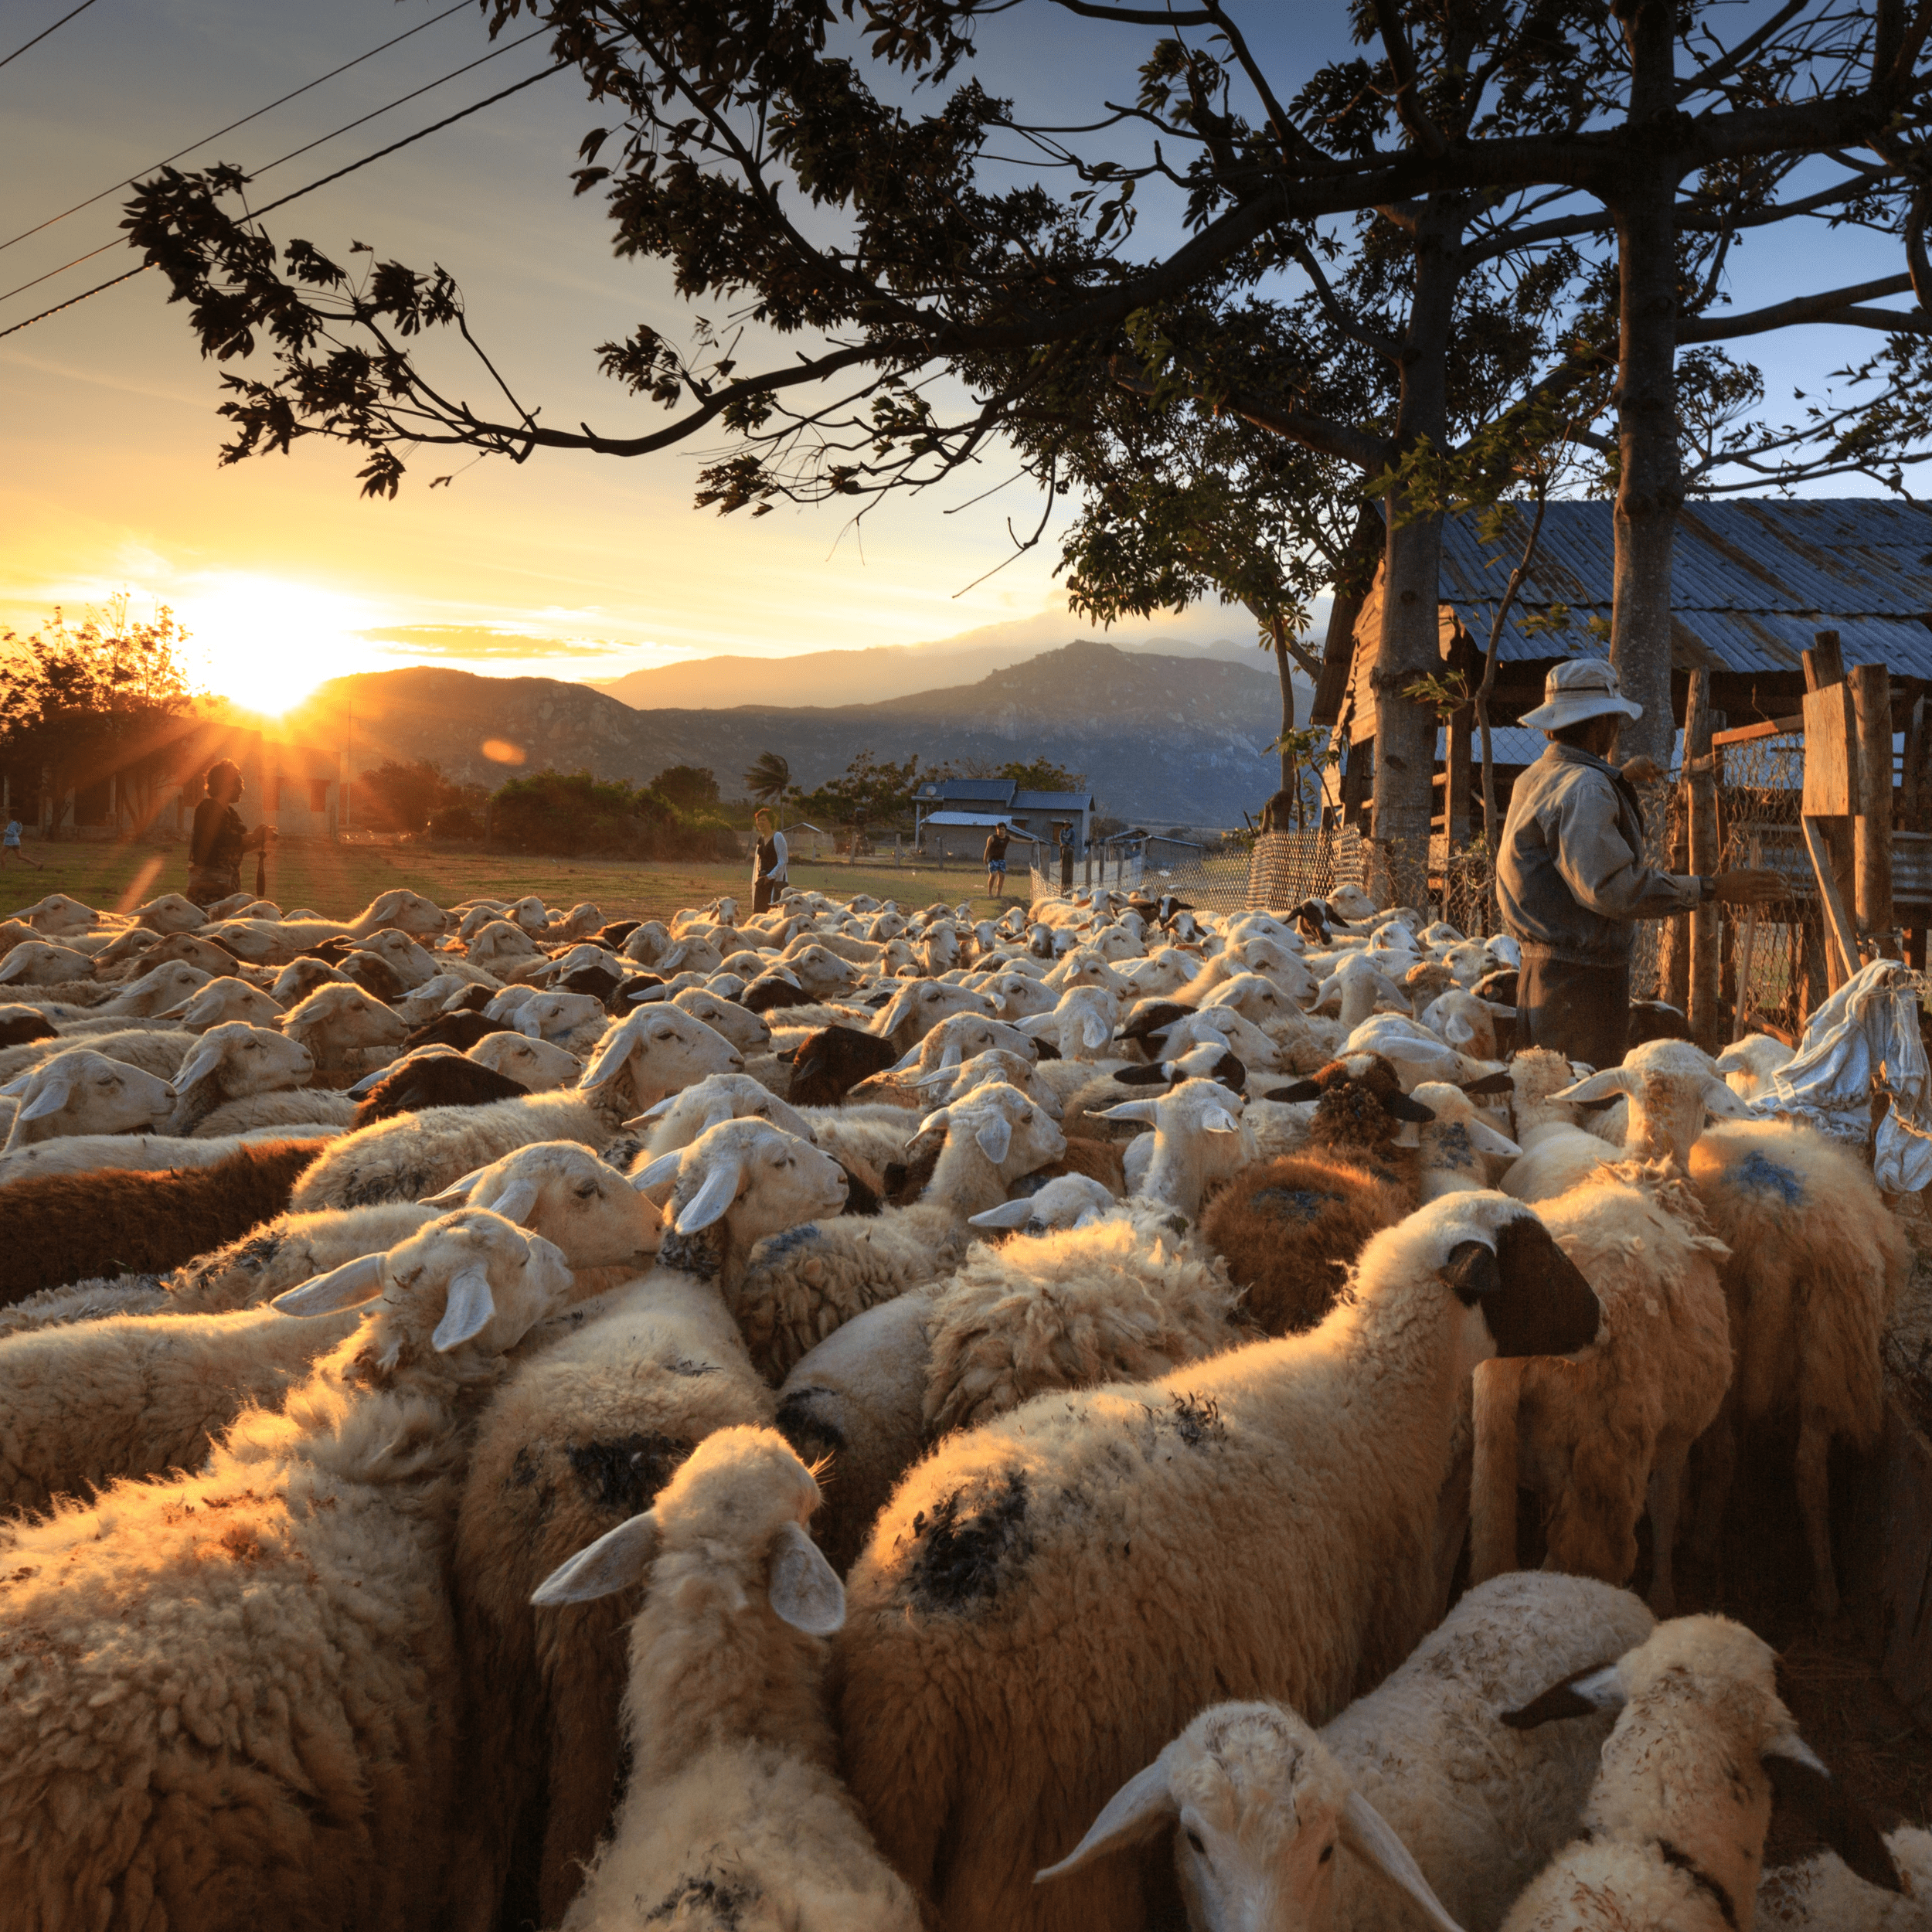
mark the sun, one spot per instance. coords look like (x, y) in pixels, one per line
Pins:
(265, 643)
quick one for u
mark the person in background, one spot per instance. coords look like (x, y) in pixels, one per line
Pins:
(10, 845)
(219, 839)
(1570, 876)
(767, 862)
(1066, 854)
(997, 841)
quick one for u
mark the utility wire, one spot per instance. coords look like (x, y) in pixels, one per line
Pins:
(256, 215)
(455, 74)
(44, 32)
(461, 6)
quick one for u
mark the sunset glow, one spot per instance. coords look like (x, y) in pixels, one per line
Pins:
(265, 643)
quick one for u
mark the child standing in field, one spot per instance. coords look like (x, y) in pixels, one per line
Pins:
(10, 850)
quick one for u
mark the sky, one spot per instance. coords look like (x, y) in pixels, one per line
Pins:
(571, 565)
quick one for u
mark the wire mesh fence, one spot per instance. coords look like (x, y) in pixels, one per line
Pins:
(1282, 869)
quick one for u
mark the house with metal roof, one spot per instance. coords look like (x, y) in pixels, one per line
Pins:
(1753, 578)
(951, 814)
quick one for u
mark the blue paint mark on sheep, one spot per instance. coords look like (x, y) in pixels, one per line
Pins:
(774, 1245)
(1293, 1203)
(1450, 1145)
(1759, 1174)
(966, 1551)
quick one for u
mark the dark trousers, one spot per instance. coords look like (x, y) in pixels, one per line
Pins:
(764, 893)
(1582, 1013)
(1067, 868)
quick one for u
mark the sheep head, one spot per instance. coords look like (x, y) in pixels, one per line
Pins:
(561, 1190)
(1672, 1085)
(750, 1174)
(38, 962)
(83, 1092)
(538, 1065)
(656, 1050)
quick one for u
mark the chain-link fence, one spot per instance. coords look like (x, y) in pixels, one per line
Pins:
(1281, 870)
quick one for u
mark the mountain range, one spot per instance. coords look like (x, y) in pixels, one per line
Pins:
(1163, 738)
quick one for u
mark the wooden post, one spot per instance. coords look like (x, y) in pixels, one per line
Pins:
(1831, 787)
(1674, 952)
(1747, 952)
(1838, 921)
(1872, 700)
(1456, 775)
(1700, 812)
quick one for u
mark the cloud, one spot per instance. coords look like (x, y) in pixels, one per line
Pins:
(477, 640)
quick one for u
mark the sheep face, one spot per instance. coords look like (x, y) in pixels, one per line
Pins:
(1671, 1085)
(38, 962)
(765, 1179)
(821, 972)
(744, 1029)
(918, 1007)
(413, 964)
(1256, 998)
(154, 992)
(679, 1120)
(171, 913)
(246, 1059)
(410, 913)
(301, 977)
(563, 1192)
(1067, 1201)
(80, 1092)
(561, 1018)
(540, 1066)
(57, 914)
(1018, 995)
(995, 1065)
(500, 944)
(954, 1041)
(335, 1019)
(659, 1050)
(1013, 1134)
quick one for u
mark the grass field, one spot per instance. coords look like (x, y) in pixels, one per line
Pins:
(339, 880)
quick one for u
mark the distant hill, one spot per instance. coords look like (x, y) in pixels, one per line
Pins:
(1163, 739)
(834, 678)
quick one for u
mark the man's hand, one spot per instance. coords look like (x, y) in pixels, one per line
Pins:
(1749, 887)
(1643, 771)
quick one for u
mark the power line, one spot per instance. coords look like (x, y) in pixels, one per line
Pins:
(256, 215)
(44, 32)
(461, 6)
(347, 126)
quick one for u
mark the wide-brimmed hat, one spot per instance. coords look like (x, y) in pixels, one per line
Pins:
(1577, 688)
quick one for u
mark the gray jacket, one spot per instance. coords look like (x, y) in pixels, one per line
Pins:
(1570, 876)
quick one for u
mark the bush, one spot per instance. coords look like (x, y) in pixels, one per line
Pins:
(568, 813)
(455, 821)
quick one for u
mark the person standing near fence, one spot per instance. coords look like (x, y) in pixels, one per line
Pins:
(768, 857)
(1570, 877)
(997, 841)
(1066, 854)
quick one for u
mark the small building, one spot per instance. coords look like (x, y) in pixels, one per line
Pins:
(967, 805)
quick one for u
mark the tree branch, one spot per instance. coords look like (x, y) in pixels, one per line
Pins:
(1402, 61)
(1821, 308)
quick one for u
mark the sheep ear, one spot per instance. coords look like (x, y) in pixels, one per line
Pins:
(19, 1083)
(466, 1311)
(995, 1137)
(712, 1201)
(1473, 1271)
(50, 1100)
(1218, 1120)
(1144, 1805)
(657, 1113)
(1373, 1840)
(1608, 1086)
(1008, 1214)
(1129, 1110)
(618, 1558)
(1399, 1107)
(952, 1055)
(205, 1059)
(456, 1193)
(905, 1062)
(1484, 1137)
(516, 1202)
(664, 1167)
(1296, 1091)
(1582, 1694)
(1141, 1077)
(1802, 1781)
(1456, 1030)
(1490, 1082)
(1720, 1100)
(1095, 1030)
(353, 1282)
(804, 1589)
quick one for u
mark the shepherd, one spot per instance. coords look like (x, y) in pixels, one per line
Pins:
(220, 838)
(1570, 876)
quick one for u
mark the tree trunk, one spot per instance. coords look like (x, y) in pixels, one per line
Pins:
(1410, 645)
(1650, 488)
(1279, 630)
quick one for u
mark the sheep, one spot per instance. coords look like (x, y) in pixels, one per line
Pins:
(76, 1154)
(320, 1535)
(1823, 1894)
(80, 1092)
(1673, 1834)
(534, 1064)
(461, 1030)
(39, 963)
(947, 1083)
(234, 1060)
(581, 1440)
(65, 1227)
(958, 1038)
(733, 1805)
(88, 1300)
(285, 1250)
(342, 1026)
(1468, 1022)
(301, 977)
(1458, 1142)
(168, 985)
(1172, 1500)
(1599, 1438)
(1747, 1065)
(433, 1080)
(654, 1052)
(800, 1285)
(744, 1029)
(1199, 1138)
(1419, 1782)
(574, 1021)
(222, 1001)
(22, 1025)
(293, 1111)
(1080, 1026)
(918, 1006)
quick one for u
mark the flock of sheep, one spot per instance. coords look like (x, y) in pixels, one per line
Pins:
(850, 1419)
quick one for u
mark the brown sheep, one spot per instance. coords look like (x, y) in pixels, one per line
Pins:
(437, 1080)
(20, 1024)
(832, 1062)
(462, 1030)
(71, 1227)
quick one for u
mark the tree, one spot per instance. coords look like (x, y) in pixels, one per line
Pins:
(872, 791)
(688, 787)
(769, 778)
(1042, 775)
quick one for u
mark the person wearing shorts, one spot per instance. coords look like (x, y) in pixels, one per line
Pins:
(997, 841)
(10, 852)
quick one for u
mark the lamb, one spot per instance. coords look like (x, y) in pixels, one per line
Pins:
(1747, 1065)
(1420, 1782)
(655, 1052)
(1134, 1496)
(1200, 1139)
(234, 1060)
(1599, 1438)
(321, 1534)
(1673, 1834)
(800, 1285)
(1823, 1894)
(582, 1440)
(222, 1001)
(733, 1794)
(64, 1227)
(342, 1026)
(80, 1092)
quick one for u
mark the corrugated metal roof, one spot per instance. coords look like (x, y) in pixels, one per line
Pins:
(998, 791)
(1752, 578)
(1052, 801)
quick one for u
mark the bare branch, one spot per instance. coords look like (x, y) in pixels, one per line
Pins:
(1821, 308)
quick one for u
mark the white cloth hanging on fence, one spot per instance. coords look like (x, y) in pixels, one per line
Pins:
(1869, 1027)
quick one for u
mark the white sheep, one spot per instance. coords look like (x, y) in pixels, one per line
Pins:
(79, 1092)
(221, 1001)
(733, 1805)
(1199, 1137)
(541, 1067)
(320, 1535)
(1081, 1025)
(1420, 1784)
(574, 1021)
(1460, 1149)
(345, 1030)
(1673, 1834)
(741, 1026)
(38, 962)
(1747, 1065)
(978, 1715)
(232, 1060)
(1822, 1894)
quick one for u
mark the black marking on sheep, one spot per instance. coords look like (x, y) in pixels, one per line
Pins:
(775, 1245)
(724, 1902)
(625, 1474)
(1197, 1420)
(963, 1556)
(809, 1434)
(1293, 1203)
(679, 1365)
(701, 1253)
(1679, 1860)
